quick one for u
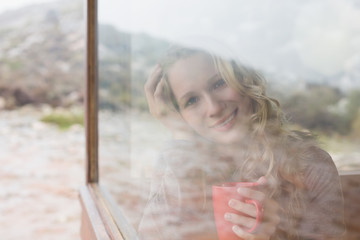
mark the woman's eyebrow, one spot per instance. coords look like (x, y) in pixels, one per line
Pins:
(186, 96)
(210, 81)
(213, 79)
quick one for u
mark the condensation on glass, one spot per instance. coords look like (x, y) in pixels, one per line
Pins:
(308, 52)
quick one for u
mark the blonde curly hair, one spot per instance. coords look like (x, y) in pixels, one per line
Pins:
(272, 150)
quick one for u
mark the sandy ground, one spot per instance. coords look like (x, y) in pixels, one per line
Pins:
(42, 169)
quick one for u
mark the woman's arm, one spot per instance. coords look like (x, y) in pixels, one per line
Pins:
(323, 216)
(174, 209)
(162, 208)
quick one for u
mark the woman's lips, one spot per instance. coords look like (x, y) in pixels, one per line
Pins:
(226, 123)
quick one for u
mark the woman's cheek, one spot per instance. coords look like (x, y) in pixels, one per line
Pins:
(193, 119)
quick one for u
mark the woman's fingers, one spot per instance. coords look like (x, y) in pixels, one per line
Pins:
(159, 90)
(243, 234)
(153, 80)
(247, 213)
(246, 208)
(242, 220)
(154, 93)
(162, 103)
(270, 209)
(150, 87)
(251, 194)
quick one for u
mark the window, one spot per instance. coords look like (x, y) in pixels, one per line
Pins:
(311, 62)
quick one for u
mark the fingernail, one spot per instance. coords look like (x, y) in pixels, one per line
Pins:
(231, 203)
(262, 180)
(227, 216)
(237, 229)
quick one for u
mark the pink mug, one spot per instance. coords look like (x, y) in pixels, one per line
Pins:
(222, 194)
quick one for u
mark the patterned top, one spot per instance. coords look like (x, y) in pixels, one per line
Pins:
(180, 201)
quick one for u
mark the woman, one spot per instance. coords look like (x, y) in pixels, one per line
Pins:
(228, 129)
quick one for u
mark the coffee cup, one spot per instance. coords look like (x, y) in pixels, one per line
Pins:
(222, 194)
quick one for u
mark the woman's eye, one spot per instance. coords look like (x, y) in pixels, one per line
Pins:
(219, 83)
(191, 101)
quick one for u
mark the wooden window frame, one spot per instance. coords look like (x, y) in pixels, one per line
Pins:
(101, 218)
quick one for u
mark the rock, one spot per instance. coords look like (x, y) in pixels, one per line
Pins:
(2, 103)
(21, 97)
(45, 109)
(71, 99)
(39, 126)
(10, 103)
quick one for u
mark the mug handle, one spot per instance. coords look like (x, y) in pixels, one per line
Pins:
(259, 213)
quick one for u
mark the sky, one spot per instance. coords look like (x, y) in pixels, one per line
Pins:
(13, 4)
(298, 35)
(322, 35)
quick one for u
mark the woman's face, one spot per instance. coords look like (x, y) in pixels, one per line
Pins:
(212, 108)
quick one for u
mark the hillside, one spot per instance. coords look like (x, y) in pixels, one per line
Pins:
(124, 63)
(42, 54)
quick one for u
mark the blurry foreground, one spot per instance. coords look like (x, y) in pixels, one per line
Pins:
(42, 170)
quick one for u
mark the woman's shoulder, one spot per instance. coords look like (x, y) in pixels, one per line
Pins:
(304, 150)
(173, 152)
(320, 161)
(172, 145)
(185, 157)
(320, 169)
(304, 143)
(177, 150)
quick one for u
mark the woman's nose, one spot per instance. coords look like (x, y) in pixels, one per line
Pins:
(214, 106)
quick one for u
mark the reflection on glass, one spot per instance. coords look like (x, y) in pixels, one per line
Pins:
(214, 120)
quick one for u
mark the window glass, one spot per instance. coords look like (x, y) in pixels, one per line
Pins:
(41, 118)
(308, 52)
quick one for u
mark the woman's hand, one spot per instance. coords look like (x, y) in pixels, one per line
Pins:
(161, 107)
(246, 220)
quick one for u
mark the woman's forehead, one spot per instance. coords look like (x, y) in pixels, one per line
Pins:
(191, 75)
(195, 67)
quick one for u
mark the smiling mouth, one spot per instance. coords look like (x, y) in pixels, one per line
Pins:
(226, 121)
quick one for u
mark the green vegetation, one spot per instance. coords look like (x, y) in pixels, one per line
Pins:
(125, 60)
(14, 64)
(332, 115)
(64, 120)
(337, 143)
(324, 109)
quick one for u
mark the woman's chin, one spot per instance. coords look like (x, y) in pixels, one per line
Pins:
(229, 138)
